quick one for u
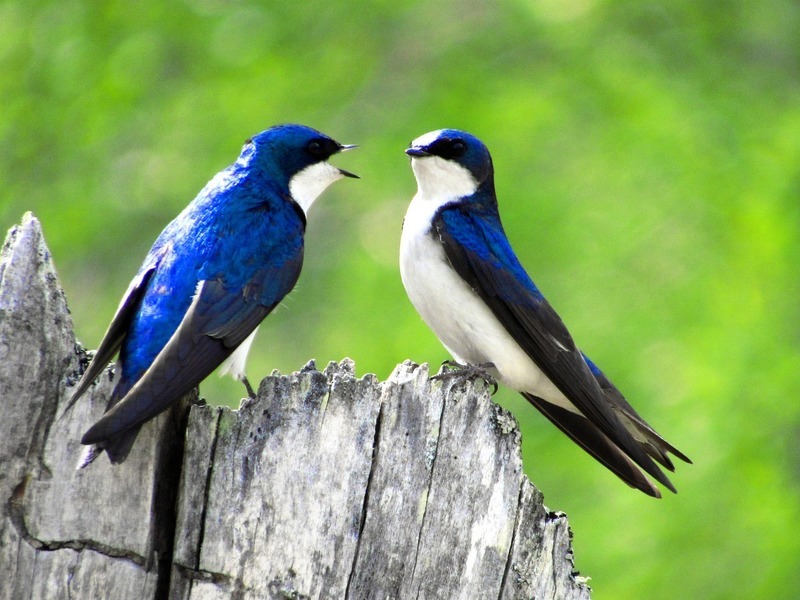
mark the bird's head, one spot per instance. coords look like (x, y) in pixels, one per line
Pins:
(296, 156)
(450, 163)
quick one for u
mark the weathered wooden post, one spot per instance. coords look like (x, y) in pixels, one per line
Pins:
(324, 486)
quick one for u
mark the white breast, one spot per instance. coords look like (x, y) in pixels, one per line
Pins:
(455, 313)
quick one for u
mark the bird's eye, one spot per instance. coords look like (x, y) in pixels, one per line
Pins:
(315, 148)
(457, 148)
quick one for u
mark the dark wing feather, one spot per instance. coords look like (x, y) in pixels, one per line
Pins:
(478, 250)
(584, 433)
(212, 328)
(655, 445)
(115, 334)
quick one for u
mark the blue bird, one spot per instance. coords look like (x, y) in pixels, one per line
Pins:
(208, 281)
(464, 279)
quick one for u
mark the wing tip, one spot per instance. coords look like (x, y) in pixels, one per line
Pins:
(650, 489)
(589, 437)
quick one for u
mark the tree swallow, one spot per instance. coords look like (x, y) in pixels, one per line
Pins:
(464, 279)
(208, 281)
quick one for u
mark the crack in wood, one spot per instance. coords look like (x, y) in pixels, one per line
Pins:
(206, 490)
(16, 514)
(434, 450)
(365, 506)
(517, 517)
(218, 579)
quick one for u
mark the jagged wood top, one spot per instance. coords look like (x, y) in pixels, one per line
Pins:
(324, 486)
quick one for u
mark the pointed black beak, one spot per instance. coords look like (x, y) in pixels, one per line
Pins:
(417, 152)
(348, 174)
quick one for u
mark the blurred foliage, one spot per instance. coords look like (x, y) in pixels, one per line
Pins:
(648, 167)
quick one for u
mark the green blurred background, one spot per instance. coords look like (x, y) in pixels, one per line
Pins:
(647, 160)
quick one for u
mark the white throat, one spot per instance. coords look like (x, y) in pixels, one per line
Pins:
(306, 185)
(442, 181)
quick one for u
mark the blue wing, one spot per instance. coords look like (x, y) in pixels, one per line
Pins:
(217, 276)
(476, 246)
(218, 320)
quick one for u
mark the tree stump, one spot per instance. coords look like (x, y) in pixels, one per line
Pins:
(324, 486)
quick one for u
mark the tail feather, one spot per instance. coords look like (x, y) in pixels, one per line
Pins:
(589, 437)
(116, 448)
(655, 445)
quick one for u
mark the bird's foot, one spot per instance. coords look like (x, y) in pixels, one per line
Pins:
(452, 369)
(250, 391)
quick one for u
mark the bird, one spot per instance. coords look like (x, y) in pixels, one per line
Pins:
(463, 277)
(212, 275)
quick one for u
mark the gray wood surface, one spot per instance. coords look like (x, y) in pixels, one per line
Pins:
(324, 486)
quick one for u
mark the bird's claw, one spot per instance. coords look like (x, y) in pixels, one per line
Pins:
(467, 371)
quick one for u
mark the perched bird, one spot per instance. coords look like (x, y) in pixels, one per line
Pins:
(464, 279)
(210, 278)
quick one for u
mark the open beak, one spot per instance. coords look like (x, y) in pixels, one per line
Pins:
(345, 148)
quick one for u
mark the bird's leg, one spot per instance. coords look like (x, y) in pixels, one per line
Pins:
(250, 391)
(467, 371)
